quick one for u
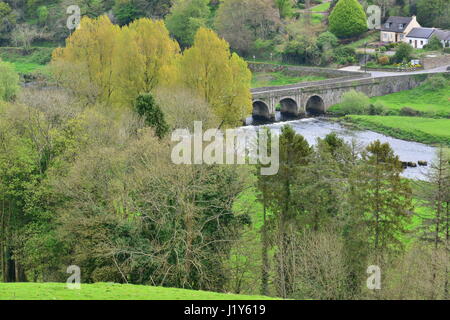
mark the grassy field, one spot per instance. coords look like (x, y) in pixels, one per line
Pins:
(429, 102)
(109, 291)
(321, 7)
(25, 68)
(268, 79)
(426, 130)
(367, 38)
(434, 102)
(25, 63)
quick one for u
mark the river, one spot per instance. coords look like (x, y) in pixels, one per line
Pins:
(313, 128)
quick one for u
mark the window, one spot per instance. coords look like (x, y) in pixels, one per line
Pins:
(410, 41)
(421, 42)
(401, 36)
(400, 26)
(387, 25)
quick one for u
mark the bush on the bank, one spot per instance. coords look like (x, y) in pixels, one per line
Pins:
(354, 102)
(410, 112)
(377, 108)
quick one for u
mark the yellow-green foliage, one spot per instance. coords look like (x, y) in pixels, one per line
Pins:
(109, 291)
(218, 76)
(9, 81)
(113, 65)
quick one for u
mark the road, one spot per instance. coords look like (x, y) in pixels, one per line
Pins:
(378, 74)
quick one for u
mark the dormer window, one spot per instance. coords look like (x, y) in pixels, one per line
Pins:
(401, 26)
(387, 25)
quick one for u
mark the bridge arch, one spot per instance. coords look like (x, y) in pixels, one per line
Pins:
(260, 110)
(289, 106)
(315, 105)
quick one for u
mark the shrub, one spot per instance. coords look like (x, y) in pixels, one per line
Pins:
(354, 102)
(344, 55)
(383, 60)
(327, 40)
(377, 108)
(9, 81)
(435, 82)
(409, 112)
(433, 44)
(403, 53)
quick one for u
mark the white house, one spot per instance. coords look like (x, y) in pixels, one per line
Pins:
(419, 37)
(396, 28)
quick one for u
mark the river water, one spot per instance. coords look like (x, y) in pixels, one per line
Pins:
(313, 128)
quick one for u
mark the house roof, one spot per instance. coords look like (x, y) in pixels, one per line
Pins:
(442, 34)
(423, 33)
(394, 24)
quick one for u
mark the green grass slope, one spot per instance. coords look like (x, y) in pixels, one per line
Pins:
(426, 130)
(431, 102)
(109, 291)
(269, 79)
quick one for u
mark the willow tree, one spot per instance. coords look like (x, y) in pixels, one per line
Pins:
(89, 51)
(144, 59)
(216, 75)
(114, 65)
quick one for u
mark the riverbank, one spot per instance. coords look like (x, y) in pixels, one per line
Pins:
(431, 99)
(425, 130)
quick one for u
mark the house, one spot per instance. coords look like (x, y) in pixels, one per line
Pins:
(396, 28)
(444, 36)
(419, 37)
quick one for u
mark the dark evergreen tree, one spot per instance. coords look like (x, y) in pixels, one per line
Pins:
(147, 108)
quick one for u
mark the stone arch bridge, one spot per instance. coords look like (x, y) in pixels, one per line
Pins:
(314, 98)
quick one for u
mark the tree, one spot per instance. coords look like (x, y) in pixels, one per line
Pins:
(91, 49)
(9, 81)
(144, 59)
(302, 50)
(433, 44)
(284, 8)
(219, 77)
(435, 227)
(283, 201)
(185, 18)
(327, 41)
(403, 53)
(42, 13)
(434, 13)
(23, 35)
(384, 198)
(114, 65)
(241, 22)
(348, 19)
(125, 11)
(147, 108)
(7, 20)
